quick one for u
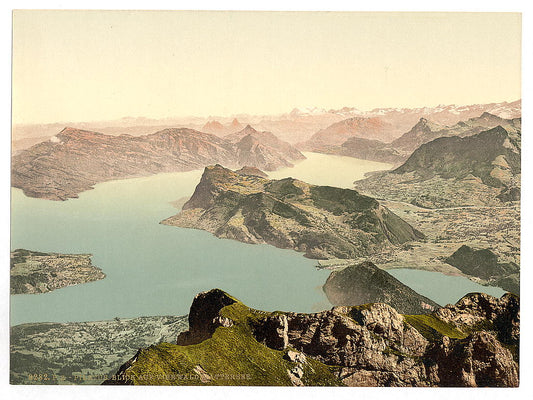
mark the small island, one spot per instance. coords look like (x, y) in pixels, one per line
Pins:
(37, 272)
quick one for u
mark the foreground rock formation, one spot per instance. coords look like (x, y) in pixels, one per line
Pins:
(472, 343)
(37, 272)
(321, 221)
(75, 160)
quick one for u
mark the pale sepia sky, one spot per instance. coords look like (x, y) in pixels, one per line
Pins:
(98, 65)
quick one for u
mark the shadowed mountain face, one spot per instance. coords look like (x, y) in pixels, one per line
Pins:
(366, 283)
(483, 264)
(322, 221)
(472, 343)
(74, 160)
(425, 131)
(482, 169)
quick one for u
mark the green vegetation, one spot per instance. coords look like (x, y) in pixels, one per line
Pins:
(232, 356)
(284, 188)
(433, 328)
(338, 201)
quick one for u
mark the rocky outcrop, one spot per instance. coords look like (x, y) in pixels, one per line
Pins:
(321, 221)
(366, 283)
(476, 310)
(468, 344)
(75, 160)
(204, 316)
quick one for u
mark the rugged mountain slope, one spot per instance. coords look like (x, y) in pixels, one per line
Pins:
(75, 160)
(492, 156)
(322, 221)
(366, 283)
(482, 169)
(469, 344)
(263, 149)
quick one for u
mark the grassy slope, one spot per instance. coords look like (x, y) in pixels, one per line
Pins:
(230, 351)
(232, 356)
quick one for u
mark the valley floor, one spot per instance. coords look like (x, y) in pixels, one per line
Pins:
(83, 352)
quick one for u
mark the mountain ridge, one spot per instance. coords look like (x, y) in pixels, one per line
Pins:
(472, 343)
(75, 160)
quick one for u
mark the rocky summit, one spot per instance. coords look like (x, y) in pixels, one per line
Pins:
(321, 221)
(75, 160)
(366, 283)
(472, 343)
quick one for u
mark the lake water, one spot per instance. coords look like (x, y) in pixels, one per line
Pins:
(442, 289)
(154, 269)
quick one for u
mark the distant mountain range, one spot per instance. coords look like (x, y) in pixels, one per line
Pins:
(296, 126)
(321, 221)
(217, 128)
(74, 160)
(482, 169)
(401, 148)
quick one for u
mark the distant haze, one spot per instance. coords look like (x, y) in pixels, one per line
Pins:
(100, 65)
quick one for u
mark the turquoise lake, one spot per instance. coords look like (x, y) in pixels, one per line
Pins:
(154, 269)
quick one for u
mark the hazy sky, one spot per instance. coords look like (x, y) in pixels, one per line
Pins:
(94, 65)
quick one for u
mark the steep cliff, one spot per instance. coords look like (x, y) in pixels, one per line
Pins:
(472, 343)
